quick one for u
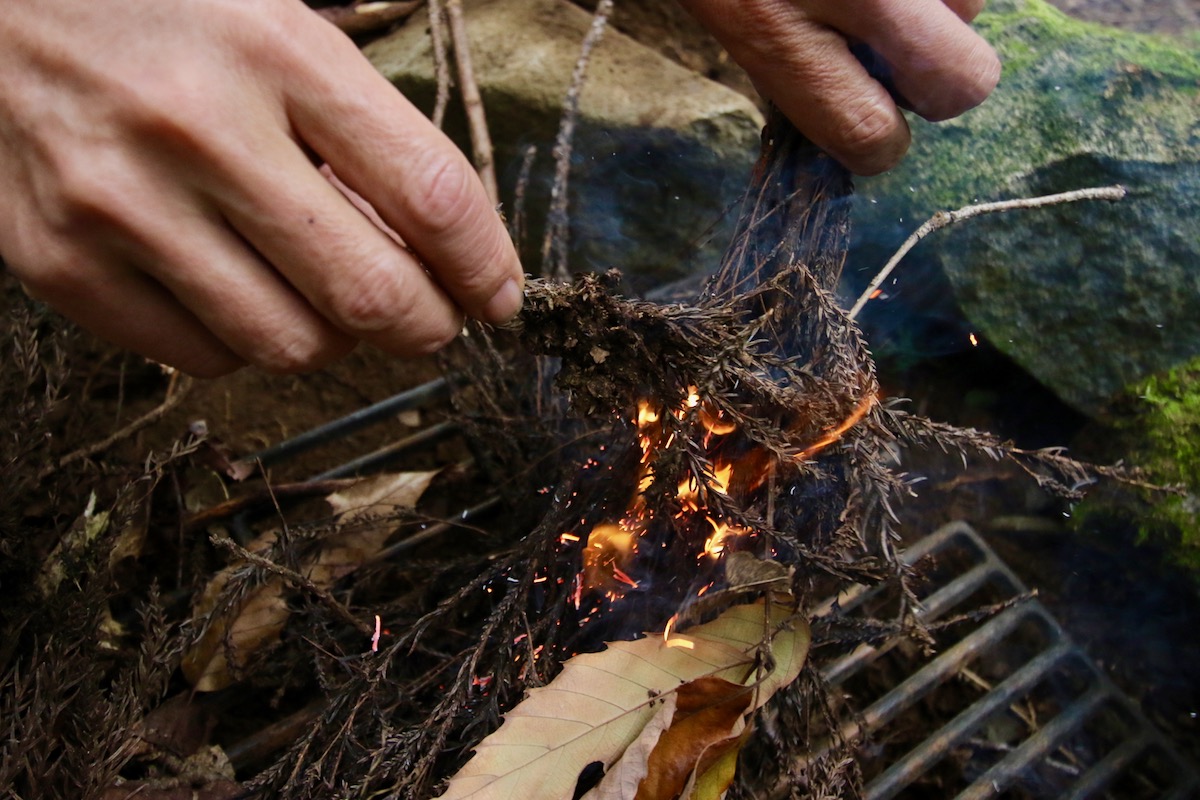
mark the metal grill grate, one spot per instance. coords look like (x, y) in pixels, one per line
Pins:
(1046, 723)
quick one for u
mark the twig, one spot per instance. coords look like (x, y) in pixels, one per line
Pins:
(441, 66)
(516, 228)
(177, 390)
(554, 246)
(944, 219)
(293, 577)
(481, 141)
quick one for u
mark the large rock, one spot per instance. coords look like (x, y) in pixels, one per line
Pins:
(1089, 297)
(660, 150)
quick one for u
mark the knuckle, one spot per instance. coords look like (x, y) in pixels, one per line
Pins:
(296, 352)
(445, 192)
(371, 299)
(872, 140)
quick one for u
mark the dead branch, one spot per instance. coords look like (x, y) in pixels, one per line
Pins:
(441, 65)
(943, 219)
(177, 390)
(481, 140)
(554, 246)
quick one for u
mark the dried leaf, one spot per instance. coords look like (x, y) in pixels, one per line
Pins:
(622, 781)
(708, 722)
(600, 702)
(715, 778)
(229, 642)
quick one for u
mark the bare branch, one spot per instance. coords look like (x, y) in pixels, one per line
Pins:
(944, 219)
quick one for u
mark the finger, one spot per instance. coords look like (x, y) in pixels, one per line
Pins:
(966, 10)
(236, 295)
(808, 71)
(130, 310)
(362, 281)
(938, 64)
(421, 184)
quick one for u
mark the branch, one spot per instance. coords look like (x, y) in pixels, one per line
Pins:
(176, 391)
(437, 33)
(554, 246)
(943, 219)
(481, 141)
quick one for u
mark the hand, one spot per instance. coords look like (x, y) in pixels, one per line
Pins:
(798, 54)
(159, 183)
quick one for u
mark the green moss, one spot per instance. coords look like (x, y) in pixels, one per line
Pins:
(1159, 430)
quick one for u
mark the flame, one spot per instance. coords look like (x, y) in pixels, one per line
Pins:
(714, 546)
(607, 557)
(832, 436)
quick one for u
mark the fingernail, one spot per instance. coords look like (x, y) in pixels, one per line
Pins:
(504, 304)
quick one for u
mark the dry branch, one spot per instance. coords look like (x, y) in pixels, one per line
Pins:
(481, 140)
(943, 219)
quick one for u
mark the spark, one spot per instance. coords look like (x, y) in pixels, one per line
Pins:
(568, 537)
(375, 638)
(974, 339)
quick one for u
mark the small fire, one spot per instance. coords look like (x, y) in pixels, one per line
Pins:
(714, 546)
(608, 556)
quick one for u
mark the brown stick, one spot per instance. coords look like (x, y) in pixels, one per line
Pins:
(554, 246)
(178, 389)
(441, 65)
(481, 141)
(361, 18)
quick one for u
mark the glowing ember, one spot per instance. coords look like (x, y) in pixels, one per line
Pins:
(609, 553)
(832, 436)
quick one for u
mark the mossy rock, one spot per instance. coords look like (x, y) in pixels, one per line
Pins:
(1089, 297)
(1155, 427)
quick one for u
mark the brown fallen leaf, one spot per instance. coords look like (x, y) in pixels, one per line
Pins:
(364, 509)
(709, 719)
(601, 702)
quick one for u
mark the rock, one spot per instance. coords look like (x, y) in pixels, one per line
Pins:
(660, 151)
(1089, 297)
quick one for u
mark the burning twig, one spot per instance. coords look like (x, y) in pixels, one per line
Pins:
(943, 219)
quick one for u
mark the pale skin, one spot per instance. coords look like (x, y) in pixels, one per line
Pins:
(164, 167)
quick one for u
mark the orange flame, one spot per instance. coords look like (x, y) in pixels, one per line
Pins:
(832, 436)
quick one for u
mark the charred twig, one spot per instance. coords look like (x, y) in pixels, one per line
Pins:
(481, 140)
(943, 219)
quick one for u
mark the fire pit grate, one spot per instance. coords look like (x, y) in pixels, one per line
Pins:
(1038, 718)
(1043, 720)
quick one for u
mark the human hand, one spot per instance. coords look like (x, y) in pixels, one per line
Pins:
(798, 53)
(160, 185)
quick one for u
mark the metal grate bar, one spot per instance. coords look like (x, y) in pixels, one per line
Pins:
(1048, 738)
(929, 752)
(934, 606)
(1108, 768)
(943, 668)
(392, 451)
(363, 418)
